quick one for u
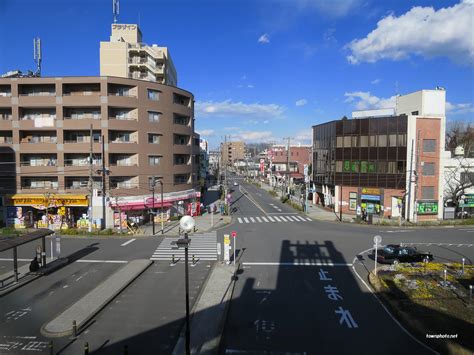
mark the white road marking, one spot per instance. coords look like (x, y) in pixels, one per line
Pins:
(305, 263)
(258, 219)
(283, 218)
(300, 218)
(264, 218)
(79, 261)
(271, 219)
(308, 219)
(253, 220)
(246, 220)
(240, 220)
(127, 243)
(278, 219)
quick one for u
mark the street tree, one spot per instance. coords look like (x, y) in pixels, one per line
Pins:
(460, 133)
(459, 176)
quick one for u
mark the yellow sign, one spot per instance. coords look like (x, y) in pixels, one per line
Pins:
(370, 191)
(44, 201)
(226, 239)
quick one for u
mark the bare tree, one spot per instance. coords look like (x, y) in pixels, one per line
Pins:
(458, 178)
(460, 133)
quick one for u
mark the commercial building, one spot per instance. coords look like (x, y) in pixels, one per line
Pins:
(232, 151)
(288, 164)
(389, 165)
(134, 129)
(126, 56)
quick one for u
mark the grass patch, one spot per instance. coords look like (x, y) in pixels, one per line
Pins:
(273, 193)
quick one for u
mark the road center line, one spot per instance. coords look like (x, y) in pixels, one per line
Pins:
(247, 194)
(127, 243)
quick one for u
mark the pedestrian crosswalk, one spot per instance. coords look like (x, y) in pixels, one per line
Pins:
(273, 219)
(202, 246)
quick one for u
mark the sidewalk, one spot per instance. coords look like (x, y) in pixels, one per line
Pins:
(203, 224)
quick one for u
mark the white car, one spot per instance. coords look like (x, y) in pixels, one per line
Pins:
(236, 183)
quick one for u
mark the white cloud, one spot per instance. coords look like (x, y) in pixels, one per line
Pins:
(301, 102)
(207, 132)
(338, 8)
(422, 31)
(266, 122)
(457, 109)
(304, 136)
(255, 136)
(250, 86)
(231, 128)
(365, 101)
(264, 39)
(232, 109)
(375, 81)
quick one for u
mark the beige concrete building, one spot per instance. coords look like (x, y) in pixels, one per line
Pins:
(145, 129)
(232, 151)
(126, 56)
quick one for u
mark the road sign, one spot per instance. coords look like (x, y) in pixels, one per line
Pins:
(226, 248)
(233, 234)
(377, 239)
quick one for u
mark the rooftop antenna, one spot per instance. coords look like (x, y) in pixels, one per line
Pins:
(116, 9)
(37, 55)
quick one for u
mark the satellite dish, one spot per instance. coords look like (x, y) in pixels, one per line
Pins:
(187, 223)
(377, 239)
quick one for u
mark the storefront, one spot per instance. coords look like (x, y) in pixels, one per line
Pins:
(371, 200)
(45, 210)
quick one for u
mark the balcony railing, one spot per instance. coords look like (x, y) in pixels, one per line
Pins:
(85, 140)
(44, 185)
(5, 117)
(83, 117)
(42, 93)
(6, 140)
(30, 118)
(82, 93)
(81, 162)
(50, 162)
(45, 139)
(123, 118)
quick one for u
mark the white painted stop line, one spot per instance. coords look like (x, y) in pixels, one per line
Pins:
(127, 243)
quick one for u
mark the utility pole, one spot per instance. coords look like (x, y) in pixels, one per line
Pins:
(226, 148)
(417, 157)
(91, 181)
(104, 173)
(153, 206)
(409, 181)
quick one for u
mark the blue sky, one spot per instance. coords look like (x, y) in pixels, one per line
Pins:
(262, 70)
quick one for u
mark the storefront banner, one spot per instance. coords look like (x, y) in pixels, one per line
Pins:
(468, 201)
(42, 202)
(427, 207)
(370, 197)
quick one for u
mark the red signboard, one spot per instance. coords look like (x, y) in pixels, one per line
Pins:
(233, 234)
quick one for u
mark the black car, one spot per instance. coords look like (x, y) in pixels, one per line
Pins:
(400, 254)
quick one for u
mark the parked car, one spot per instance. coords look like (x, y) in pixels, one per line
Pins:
(236, 183)
(393, 254)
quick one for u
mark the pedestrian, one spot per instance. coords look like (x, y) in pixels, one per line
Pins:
(34, 265)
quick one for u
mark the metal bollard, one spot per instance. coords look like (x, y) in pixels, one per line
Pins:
(50, 347)
(445, 272)
(86, 349)
(462, 272)
(470, 295)
(172, 259)
(194, 261)
(74, 329)
(125, 350)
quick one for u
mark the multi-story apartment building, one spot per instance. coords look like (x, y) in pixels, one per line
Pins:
(126, 56)
(288, 164)
(232, 151)
(389, 165)
(136, 129)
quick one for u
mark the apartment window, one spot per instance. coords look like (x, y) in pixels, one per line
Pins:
(429, 145)
(382, 167)
(154, 116)
(153, 95)
(392, 167)
(355, 141)
(364, 141)
(181, 178)
(427, 192)
(154, 160)
(180, 139)
(339, 141)
(428, 169)
(181, 159)
(372, 141)
(153, 138)
(182, 120)
(347, 141)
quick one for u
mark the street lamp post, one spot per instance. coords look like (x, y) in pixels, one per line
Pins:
(153, 203)
(161, 209)
(187, 224)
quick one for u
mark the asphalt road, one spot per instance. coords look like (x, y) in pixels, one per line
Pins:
(279, 307)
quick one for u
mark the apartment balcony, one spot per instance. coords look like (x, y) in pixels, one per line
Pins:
(43, 100)
(81, 147)
(120, 170)
(44, 123)
(123, 124)
(27, 168)
(123, 147)
(83, 124)
(5, 99)
(141, 48)
(89, 98)
(26, 147)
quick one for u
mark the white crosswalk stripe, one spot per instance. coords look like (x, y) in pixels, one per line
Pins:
(202, 246)
(274, 219)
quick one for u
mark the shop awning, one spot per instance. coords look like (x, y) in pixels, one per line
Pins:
(139, 206)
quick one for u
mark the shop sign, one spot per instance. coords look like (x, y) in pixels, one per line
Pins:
(43, 202)
(347, 165)
(370, 191)
(468, 201)
(353, 195)
(427, 207)
(370, 197)
(352, 204)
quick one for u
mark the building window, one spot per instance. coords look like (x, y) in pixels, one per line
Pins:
(372, 141)
(402, 140)
(154, 160)
(427, 192)
(154, 116)
(392, 167)
(347, 141)
(382, 167)
(392, 140)
(428, 169)
(181, 178)
(153, 95)
(153, 138)
(429, 145)
(338, 142)
(182, 120)
(180, 139)
(181, 159)
(382, 140)
(364, 141)
(355, 141)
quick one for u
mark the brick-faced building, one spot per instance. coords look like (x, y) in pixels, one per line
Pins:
(373, 159)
